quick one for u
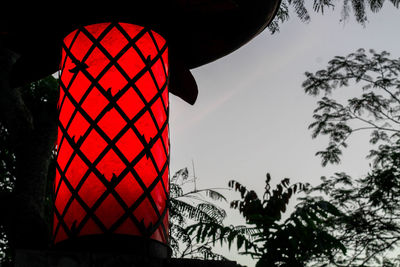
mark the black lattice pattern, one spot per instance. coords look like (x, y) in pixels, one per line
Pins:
(113, 145)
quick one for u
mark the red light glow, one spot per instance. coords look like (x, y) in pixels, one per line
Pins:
(113, 144)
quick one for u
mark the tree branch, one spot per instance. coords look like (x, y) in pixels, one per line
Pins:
(379, 251)
(384, 89)
(372, 124)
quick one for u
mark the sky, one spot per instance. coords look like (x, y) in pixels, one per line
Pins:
(251, 115)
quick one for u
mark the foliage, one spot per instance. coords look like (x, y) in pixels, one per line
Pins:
(359, 8)
(371, 228)
(192, 207)
(272, 240)
(376, 110)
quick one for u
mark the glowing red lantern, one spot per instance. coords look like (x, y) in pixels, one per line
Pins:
(113, 145)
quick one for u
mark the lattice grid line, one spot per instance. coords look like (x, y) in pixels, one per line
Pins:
(77, 155)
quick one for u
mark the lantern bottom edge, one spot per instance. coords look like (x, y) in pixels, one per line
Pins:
(133, 245)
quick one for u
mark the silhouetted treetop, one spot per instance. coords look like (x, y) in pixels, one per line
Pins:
(302, 9)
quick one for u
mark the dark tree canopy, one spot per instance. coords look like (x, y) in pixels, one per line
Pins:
(370, 226)
(303, 9)
(189, 207)
(376, 109)
(274, 241)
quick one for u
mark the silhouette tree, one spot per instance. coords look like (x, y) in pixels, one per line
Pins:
(376, 109)
(371, 225)
(189, 207)
(302, 9)
(301, 238)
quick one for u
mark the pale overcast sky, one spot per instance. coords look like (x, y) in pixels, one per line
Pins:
(251, 115)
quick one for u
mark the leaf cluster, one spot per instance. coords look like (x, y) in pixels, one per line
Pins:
(376, 109)
(195, 206)
(370, 226)
(302, 9)
(267, 236)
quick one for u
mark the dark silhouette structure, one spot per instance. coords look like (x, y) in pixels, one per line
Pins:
(197, 32)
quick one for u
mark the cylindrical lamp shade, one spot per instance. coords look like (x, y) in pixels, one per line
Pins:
(113, 144)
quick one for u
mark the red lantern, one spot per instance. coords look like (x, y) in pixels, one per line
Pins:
(113, 145)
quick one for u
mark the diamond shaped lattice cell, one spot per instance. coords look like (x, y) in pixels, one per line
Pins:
(112, 123)
(80, 46)
(112, 162)
(96, 62)
(129, 189)
(150, 89)
(76, 171)
(63, 195)
(78, 127)
(66, 111)
(146, 127)
(147, 46)
(93, 145)
(64, 154)
(146, 213)
(114, 41)
(109, 211)
(113, 81)
(74, 215)
(130, 145)
(79, 86)
(126, 60)
(146, 170)
(111, 165)
(94, 103)
(91, 190)
(130, 103)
